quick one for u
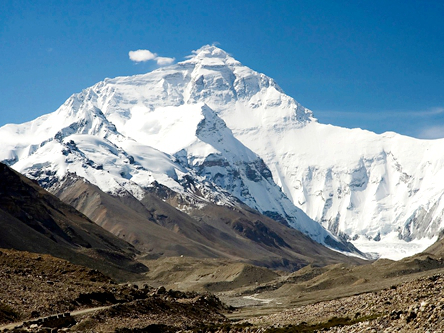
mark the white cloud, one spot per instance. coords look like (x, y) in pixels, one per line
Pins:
(381, 114)
(146, 55)
(161, 61)
(432, 132)
(424, 123)
(437, 110)
(141, 55)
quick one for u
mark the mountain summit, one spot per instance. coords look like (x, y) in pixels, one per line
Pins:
(215, 131)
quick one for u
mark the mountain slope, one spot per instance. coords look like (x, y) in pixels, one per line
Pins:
(209, 231)
(31, 219)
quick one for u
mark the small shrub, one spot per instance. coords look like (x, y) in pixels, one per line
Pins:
(8, 314)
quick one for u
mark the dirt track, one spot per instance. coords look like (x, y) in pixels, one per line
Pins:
(11, 326)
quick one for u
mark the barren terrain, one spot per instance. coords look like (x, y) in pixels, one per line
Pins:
(383, 296)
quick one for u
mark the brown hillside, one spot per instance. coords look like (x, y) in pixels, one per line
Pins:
(31, 219)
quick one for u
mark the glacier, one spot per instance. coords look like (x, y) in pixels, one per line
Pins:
(239, 137)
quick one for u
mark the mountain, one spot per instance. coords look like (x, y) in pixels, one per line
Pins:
(31, 219)
(185, 147)
(217, 132)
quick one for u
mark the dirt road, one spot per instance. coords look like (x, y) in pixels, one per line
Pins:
(72, 314)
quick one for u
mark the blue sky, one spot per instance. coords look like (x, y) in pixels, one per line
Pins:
(377, 65)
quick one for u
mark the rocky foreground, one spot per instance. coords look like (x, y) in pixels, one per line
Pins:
(39, 286)
(416, 306)
(36, 287)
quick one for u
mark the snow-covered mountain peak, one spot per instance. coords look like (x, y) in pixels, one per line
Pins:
(211, 55)
(246, 100)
